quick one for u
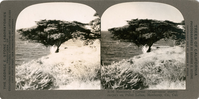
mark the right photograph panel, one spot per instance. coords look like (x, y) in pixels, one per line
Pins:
(143, 47)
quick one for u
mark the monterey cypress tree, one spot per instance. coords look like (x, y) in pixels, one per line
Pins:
(54, 32)
(145, 32)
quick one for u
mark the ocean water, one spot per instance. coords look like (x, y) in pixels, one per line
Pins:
(26, 51)
(114, 50)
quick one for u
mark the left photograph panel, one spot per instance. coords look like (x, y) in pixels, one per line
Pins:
(57, 47)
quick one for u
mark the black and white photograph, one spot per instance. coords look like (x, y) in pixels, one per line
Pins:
(143, 47)
(57, 47)
(99, 49)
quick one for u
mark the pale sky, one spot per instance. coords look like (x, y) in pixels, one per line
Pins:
(117, 15)
(50, 11)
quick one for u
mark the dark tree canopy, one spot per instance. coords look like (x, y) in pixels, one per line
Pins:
(95, 30)
(95, 26)
(55, 32)
(147, 31)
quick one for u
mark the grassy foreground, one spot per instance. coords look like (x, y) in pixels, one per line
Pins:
(163, 68)
(74, 67)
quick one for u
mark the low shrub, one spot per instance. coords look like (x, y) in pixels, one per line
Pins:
(36, 80)
(115, 78)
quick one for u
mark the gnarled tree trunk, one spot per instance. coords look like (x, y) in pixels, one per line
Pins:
(57, 50)
(146, 48)
(58, 44)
